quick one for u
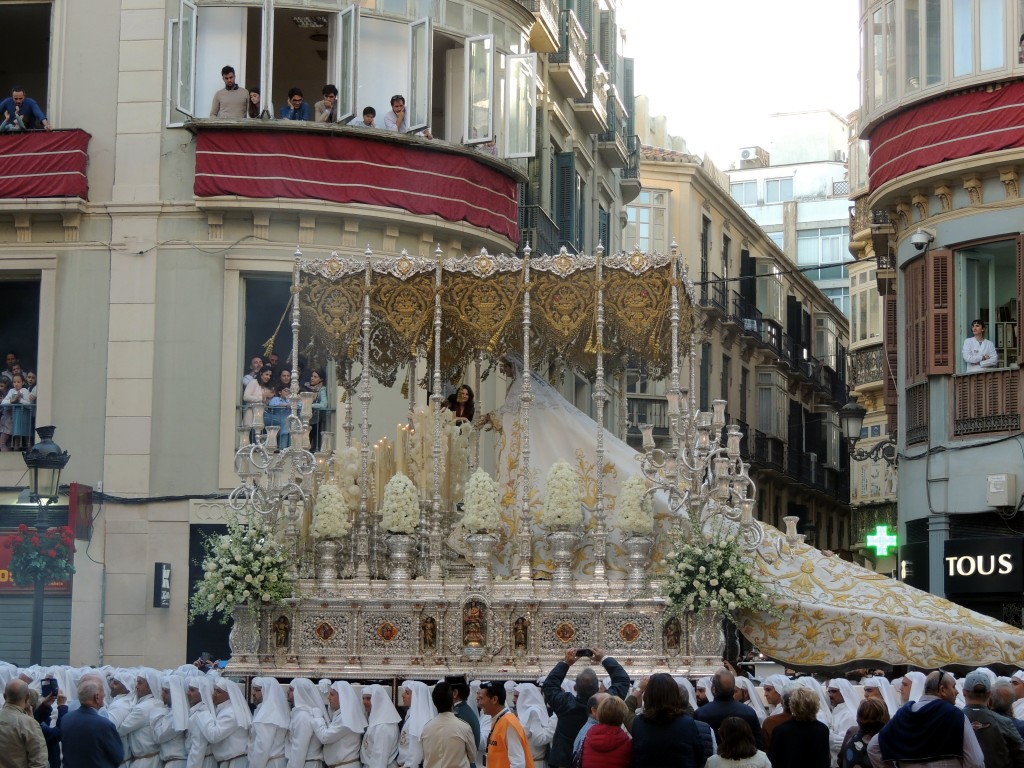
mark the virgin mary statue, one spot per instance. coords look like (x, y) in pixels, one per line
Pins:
(558, 432)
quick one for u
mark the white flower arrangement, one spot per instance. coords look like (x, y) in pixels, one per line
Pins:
(401, 509)
(330, 513)
(245, 566)
(482, 510)
(636, 507)
(562, 505)
(346, 474)
(710, 571)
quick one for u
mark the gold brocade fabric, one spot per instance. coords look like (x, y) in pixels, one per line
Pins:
(330, 313)
(482, 313)
(835, 612)
(563, 316)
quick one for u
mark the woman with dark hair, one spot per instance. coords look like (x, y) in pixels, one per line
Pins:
(255, 392)
(736, 747)
(803, 741)
(461, 404)
(663, 735)
(317, 417)
(872, 714)
(255, 105)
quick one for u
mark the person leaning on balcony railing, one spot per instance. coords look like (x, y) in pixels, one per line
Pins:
(367, 120)
(979, 353)
(23, 111)
(326, 110)
(395, 120)
(296, 108)
(253, 394)
(231, 100)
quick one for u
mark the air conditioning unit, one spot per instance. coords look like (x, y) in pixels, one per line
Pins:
(753, 157)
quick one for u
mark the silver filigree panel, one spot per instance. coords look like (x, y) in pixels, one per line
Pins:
(324, 632)
(388, 633)
(561, 631)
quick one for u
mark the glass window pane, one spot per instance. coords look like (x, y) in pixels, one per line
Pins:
(878, 50)
(933, 41)
(397, 7)
(890, 51)
(963, 37)
(521, 110)
(912, 44)
(186, 57)
(991, 41)
(455, 15)
(418, 103)
(479, 112)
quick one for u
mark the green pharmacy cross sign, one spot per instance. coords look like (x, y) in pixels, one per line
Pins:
(881, 540)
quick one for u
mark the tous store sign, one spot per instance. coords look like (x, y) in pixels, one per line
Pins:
(989, 565)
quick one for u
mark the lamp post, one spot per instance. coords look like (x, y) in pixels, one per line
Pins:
(45, 461)
(851, 419)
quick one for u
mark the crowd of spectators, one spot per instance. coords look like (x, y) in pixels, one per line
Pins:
(264, 384)
(195, 715)
(17, 405)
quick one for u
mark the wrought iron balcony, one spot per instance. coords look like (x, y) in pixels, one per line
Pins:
(538, 229)
(629, 177)
(545, 37)
(769, 452)
(983, 402)
(866, 366)
(713, 295)
(611, 144)
(590, 108)
(568, 67)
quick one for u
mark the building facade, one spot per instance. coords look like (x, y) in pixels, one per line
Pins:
(796, 190)
(771, 344)
(941, 217)
(146, 248)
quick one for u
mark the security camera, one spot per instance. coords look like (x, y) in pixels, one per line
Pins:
(921, 239)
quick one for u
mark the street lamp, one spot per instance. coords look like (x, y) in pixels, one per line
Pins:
(44, 460)
(851, 419)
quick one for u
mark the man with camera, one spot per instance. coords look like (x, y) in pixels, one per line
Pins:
(572, 709)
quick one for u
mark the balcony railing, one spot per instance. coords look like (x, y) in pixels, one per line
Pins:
(632, 169)
(538, 229)
(572, 46)
(984, 402)
(590, 108)
(769, 452)
(45, 164)
(866, 366)
(20, 420)
(547, 10)
(612, 143)
(771, 334)
(713, 294)
(649, 410)
(278, 416)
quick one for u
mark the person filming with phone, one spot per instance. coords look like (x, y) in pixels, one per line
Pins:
(571, 709)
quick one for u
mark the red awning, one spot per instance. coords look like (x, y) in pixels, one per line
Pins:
(948, 128)
(44, 164)
(346, 169)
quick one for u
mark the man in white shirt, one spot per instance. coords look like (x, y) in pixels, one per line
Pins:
(137, 727)
(342, 737)
(228, 729)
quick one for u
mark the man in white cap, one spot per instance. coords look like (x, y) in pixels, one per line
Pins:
(342, 737)
(268, 733)
(844, 701)
(1017, 681)
(227, 729)
(308, 711)
(170, 722)
(200, 697)
(137, 726)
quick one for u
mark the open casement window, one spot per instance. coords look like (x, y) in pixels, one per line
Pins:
(479, 89)
(417, 106)
(267, 57)
(521, 107)
(344, 31)
(184, 91)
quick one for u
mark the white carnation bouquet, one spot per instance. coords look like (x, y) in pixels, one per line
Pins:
(636, 507)
(244, 566)
(562, 505)
(330, 513)
(711, 571)
(482, 509)
(346, 474)
(401, 509)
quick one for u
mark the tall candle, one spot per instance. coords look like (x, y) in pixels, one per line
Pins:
(400, 449)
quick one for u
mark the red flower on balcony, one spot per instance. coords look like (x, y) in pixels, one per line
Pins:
(45, 557)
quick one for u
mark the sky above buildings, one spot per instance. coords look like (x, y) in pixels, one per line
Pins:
(717, 69)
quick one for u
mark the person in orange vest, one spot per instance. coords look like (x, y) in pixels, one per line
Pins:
(506, 743)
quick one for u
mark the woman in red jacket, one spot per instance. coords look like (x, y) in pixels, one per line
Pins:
(606, 744)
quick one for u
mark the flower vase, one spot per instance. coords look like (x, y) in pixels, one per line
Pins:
(638, 552)
(326, 560)
(707, 638)
(563, 551)
(481, 545)
(244, 637)
(401, 554)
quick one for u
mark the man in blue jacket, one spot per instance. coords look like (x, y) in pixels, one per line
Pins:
(23, 110)
(723, 705)
(572, 709)
(89, 740)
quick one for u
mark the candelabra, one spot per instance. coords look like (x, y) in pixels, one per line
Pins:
(702, 475)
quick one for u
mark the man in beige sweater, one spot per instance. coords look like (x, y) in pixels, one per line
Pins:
(231, 100)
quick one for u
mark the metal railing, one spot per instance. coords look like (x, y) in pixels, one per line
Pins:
(648, 410)
(713, 293)
(277, 416)
(597, 85)
(20, 421)
(771, 334)
(547, 9)
(769, 452)
(632, 169)
(538, 229)
(572, 44)
(866, 365)
(985, 401)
